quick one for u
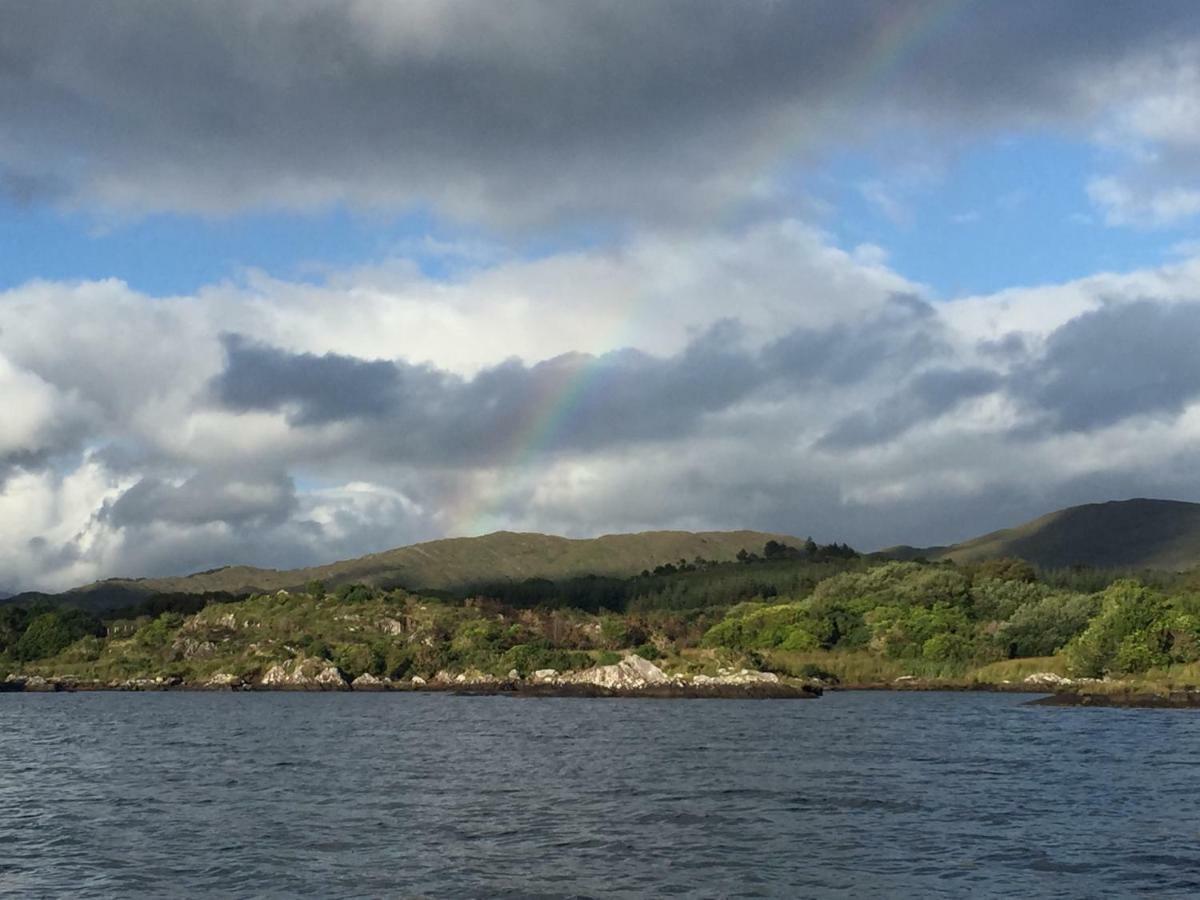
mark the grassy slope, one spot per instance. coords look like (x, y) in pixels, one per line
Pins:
(456, 561)
(1133, 534)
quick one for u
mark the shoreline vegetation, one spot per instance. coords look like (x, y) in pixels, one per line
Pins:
(777, 621)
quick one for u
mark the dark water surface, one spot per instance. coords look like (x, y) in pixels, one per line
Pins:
(368, 795)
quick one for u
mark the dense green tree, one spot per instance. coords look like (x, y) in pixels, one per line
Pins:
(1130, 634)
(51, 632)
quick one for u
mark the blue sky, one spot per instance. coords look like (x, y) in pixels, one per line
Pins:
(1008, 210)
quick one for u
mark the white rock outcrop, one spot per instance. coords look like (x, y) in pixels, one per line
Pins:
(741, 676)
(1047, 678)
(305, 672)
(631, 672)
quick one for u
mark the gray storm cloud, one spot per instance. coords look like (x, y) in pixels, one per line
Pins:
(522, 112)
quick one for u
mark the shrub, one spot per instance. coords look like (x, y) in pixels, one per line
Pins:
(1130, 634)
(357, 659)
(948, 648)
(1043, 627)
(754, 626)
(648, 651)
(617, 633)
(528, 658)
(54, 631)
(157, 633)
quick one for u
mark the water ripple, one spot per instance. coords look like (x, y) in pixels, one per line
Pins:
(854, 795)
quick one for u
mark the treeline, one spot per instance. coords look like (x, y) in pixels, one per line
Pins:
(779, 570)
(942, 618)
(930, 618)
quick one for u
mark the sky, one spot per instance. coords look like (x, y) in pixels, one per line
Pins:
(287, 283)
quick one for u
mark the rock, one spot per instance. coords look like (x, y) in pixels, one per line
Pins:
(305, 673)
(368, 682)
(742, 676)
(190, 648)
(390, 626)
(631, 672)
(1047, 678)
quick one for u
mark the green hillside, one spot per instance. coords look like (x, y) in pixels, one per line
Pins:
(1120, 534)
(446, 564)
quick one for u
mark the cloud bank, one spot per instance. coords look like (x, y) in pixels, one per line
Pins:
(533, 112)
(175, 434)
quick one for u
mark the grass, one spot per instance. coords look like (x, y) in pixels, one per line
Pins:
(1015, 670)
(850, 667)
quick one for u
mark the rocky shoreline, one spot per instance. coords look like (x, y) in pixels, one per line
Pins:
(1123, 699)
(631, 677)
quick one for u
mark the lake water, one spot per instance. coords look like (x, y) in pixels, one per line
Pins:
(369, 795)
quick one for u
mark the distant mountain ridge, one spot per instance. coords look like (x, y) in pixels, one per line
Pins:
(442, 564)
(1119, 534)
(1125, 534)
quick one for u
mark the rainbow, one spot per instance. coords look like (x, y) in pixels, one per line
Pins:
(908, 28)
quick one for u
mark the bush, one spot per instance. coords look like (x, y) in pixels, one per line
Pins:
(1043, 627)
(1131, 634)
(617, 633)
(996, 600)
(754, 626)
(355, 593)
(158, 633)
(358, 659)
(13, 622)
(53, 632)
(528, 658)
(948, 649)
(648, 651)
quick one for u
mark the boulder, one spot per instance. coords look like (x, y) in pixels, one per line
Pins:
(630, 673)
(741, 676)
(391, 626)
(1047, 679)
(305, 673)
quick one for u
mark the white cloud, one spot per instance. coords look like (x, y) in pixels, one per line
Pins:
(1123, 204)
(948, 418)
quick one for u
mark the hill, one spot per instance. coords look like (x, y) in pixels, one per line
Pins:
(1120, 534)
(442, 565)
